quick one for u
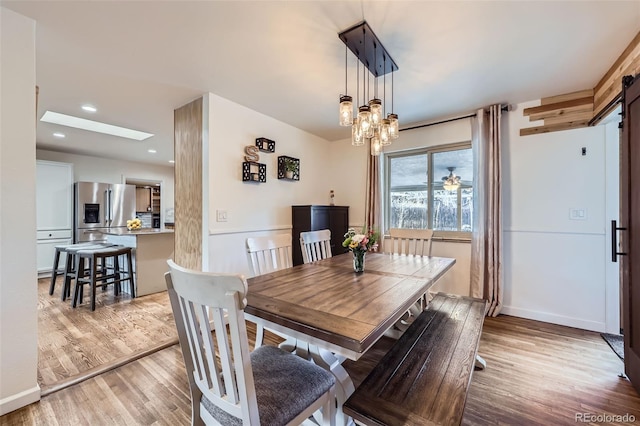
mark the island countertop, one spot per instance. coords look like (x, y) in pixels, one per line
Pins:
(142, 231)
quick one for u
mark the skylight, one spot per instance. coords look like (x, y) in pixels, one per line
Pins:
(94, 126)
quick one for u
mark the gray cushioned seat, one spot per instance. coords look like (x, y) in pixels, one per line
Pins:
(285, 385)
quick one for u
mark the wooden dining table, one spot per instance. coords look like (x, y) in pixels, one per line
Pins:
(333, 313)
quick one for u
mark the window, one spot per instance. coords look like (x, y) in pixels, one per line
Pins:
(415, 194)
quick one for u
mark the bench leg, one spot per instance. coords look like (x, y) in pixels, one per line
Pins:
(481, 364)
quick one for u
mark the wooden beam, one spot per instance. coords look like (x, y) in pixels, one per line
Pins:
(570, 117)
(581, 102)
(562, 112)
(553, 128)
(567, 97)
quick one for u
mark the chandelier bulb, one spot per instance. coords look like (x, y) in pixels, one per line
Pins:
(346, 110)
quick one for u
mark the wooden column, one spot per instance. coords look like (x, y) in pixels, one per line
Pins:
(188, 145)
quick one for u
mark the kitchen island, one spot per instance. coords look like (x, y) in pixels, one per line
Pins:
(151, 249)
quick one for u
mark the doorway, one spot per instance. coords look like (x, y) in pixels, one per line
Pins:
(148, 201)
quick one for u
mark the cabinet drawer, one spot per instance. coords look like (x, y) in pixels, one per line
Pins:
(54, 234)
(45, 251)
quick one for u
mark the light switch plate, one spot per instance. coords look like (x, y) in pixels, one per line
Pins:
(221, 215)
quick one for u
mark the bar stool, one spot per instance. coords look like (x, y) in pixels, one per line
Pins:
(101, 273)
(68, 249)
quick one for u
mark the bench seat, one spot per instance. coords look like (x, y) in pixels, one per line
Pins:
(424, 378)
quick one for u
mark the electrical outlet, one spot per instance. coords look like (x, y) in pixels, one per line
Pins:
(221, 215)
(578, 214)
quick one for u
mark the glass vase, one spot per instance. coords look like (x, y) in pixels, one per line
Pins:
(358, 260)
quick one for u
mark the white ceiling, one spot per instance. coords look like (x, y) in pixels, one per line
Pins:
(138, 61)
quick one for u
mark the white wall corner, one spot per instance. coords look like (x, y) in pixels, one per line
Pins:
(19, 400)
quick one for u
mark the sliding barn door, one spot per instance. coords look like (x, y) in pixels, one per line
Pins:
(630, 224)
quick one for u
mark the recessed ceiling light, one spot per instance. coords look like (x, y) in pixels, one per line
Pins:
(151, 151)
(94, 126)
(59, 135)
(89, 108)
(172, 161)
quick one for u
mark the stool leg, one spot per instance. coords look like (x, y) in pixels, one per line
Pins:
(69, 272)
(131, 280)
(77, 290)
(66, 286)
(54, 273)
(92, 280)
(116, 271)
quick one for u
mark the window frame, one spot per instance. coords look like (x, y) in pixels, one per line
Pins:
(429, 151)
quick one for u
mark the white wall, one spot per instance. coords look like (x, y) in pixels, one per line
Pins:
(18, 293)
(96, 169)
(348, 165)
(256, 208)
(554, 266)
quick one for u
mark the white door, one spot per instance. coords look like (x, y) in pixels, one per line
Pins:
(54, 195)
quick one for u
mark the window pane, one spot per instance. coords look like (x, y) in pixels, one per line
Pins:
(445, 210)
(408, 171)
(452, 208)
(467, 209)
(408, 209)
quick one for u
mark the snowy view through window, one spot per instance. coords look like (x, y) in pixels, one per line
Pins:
(410, 184)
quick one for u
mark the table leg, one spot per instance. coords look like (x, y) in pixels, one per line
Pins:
(344, 385)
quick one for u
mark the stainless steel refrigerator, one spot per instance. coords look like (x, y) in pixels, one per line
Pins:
(100, 207)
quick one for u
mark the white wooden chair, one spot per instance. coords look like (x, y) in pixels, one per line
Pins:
(315, 245)
(269, 254)
(416, 242)
(239, 388)
(410, 242)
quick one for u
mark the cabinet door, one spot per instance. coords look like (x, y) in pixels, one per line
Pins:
(339, 224)
(45, 251)
(143, 199)
(54, 195)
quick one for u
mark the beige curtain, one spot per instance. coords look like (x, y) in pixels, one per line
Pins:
(486, 241)
(372, 206)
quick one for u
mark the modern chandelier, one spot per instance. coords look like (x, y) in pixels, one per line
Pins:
(369, 123)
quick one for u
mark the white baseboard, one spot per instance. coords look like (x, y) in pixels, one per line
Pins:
(19, 400)
(554, 318)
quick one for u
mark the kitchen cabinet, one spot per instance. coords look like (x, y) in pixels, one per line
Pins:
(143, 199)
(54, 210)
(315, 218)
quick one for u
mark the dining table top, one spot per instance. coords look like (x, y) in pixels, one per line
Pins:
(326, 302)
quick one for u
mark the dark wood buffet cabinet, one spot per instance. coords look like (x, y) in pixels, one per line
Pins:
(315, 218)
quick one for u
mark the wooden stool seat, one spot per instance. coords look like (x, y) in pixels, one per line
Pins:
(100, 272)
(68, 249)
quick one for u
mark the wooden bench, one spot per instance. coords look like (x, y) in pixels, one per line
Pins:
(424, 378)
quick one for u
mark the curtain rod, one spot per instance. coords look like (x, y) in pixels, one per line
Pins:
(503, 108)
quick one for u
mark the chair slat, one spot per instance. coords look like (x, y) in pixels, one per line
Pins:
(225, 356)
(415, 242)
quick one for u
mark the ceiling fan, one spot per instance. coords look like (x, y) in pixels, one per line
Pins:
(451, 182)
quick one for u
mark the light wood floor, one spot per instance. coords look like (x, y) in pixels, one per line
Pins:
(72, 342)
(537, 374)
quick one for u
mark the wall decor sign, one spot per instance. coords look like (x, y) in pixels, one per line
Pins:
(266, 145)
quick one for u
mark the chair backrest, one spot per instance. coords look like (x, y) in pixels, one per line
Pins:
(228, 384)
(409, 241)
(268, 254)
(315, 245)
